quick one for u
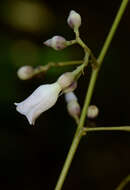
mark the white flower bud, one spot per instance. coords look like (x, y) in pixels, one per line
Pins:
(93, 111)
(25, 72)
(57, 43)
(74, 19)
(43, 98)
(69, 97)
(65, 80)
(73, 106)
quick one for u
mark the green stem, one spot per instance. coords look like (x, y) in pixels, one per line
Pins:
(120, 128)
(71, 42)
(112, 30)
(86, 49)
(53, 64)
(79, 70)
(78, 133)
(123, 183)
(68, 63)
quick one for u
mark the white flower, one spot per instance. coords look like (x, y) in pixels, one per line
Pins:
(43, 98)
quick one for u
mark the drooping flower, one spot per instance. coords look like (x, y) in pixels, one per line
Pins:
(74, 19)
(43, 98)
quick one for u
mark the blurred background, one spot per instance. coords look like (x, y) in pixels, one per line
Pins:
(31, 157)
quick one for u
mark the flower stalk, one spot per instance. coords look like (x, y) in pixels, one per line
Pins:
(118, 128)
(78, 133)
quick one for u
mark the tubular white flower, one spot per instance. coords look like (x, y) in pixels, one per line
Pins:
(43, 98)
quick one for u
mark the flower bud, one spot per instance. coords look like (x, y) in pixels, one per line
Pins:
(65, 80)
(73, 106)
(70, 96)
(25, 72)
(93, 111)
(74, 19)
(57, 43)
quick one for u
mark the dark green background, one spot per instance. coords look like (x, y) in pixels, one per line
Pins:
(32, 157)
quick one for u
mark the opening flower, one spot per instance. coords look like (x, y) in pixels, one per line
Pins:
(43, 98)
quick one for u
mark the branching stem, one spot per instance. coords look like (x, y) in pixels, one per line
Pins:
(118, 128)
(78, 134)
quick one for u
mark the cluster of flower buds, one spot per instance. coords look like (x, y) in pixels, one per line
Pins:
(73, 106)
(59, 42)
(44, 97)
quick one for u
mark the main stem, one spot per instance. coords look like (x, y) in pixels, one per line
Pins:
(123, 183)
(78, 133)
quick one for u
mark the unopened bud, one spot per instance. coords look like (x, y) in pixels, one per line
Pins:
(93, 111)
(57, 43)
(25, 72)
(74, 19)
(65, 80)
(73, 109)
(70, 96)
(73, 106)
